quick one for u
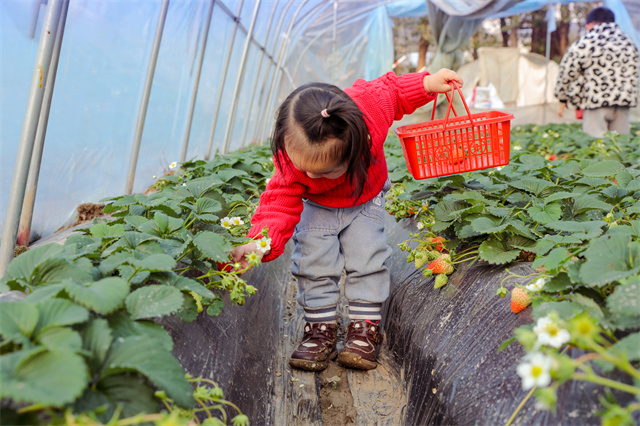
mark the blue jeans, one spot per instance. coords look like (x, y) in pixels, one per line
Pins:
(329, 240)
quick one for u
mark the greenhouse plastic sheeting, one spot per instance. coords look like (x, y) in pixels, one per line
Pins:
(102, 71)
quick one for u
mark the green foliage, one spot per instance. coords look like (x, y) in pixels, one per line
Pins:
(82, 344)
(567, 202)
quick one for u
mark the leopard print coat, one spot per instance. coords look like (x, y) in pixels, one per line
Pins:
(600, 69)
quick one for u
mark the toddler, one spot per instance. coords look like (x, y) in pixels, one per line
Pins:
(328, 193)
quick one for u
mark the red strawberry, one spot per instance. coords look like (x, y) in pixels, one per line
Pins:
(520, 299)
(440, 266)
(552, 157)
(439, 247)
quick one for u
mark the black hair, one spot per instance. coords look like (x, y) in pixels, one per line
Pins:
(601, 14)
(342, 136)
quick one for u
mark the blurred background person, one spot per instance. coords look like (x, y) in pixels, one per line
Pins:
(599, 74)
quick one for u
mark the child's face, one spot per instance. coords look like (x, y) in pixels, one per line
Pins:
(317, 169)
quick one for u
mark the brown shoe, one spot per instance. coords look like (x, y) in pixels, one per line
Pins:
(361, 349)
(317, 348)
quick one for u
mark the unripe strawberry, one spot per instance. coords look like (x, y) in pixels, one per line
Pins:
(421, 259)
(427, 273)
(441, 281)
(520, 299)
(432, 255)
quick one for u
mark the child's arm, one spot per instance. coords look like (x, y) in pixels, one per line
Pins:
(279, 211)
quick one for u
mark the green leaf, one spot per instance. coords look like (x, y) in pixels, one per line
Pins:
(18, 321)
(57, 313)
(184, 283)
(43, 265)
(522, 243)
(61, 338)
(630, 346)
(103, 297)
(130, 392)
(610, 258)
(44, 292)
(154, 301)
(207, 205)
(625, 299)
(532, 185)
(213, 246)
(565, 310)
(123, 326)
(215, 308)
(47, 378)
(585, 203)
(488, 225)
(562, 195)
(97, 338)
(554, 259)
(603, 169)
(189, 310)
(153, 262)
(494, 252)
(145, 356)
(588, 304)
(102, 230)
(557, 283)
(581, 230)
(545, 213)
(136, 221)
(227, 174)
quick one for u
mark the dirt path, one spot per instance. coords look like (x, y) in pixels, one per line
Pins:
(335, 396)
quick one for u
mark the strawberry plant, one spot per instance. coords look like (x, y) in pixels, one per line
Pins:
(85, 342)
(570, 204)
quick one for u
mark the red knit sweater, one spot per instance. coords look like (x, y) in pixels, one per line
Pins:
(382, 101)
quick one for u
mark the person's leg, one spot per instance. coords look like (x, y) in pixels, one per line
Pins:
(318, 265)
(620, 121)
(365, 249)
(594, 122)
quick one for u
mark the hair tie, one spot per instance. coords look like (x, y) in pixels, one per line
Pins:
(324, 113)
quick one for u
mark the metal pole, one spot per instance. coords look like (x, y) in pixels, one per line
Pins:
(261, 116)
(257, 73)
(27, 136)
(196, 83)
(222, 81)
(334, 41)
(547, 54)
(238, 86)
(24, 230)
(278, 67)
(142, 114)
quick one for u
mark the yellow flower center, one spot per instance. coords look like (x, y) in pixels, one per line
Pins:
(536, 370)
(552, 330)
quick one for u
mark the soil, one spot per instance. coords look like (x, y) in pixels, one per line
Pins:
(86, 212)
(336, 401)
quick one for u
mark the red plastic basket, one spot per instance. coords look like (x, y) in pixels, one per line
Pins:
(457, 144)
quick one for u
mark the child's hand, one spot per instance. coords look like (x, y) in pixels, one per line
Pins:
(439, 82)
(239, 254)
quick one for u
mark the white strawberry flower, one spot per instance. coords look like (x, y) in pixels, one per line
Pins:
(535, 370)
(537, 285)
(264, 244)
(420, 225)
(173, 165)
(549, 333)
(237, 221)
(516, 148)
(155, 177)
(226, 222)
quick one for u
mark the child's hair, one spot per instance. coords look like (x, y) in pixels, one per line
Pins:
(600, 14)
(322, 123)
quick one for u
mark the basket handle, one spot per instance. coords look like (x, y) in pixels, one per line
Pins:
(454, 87)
